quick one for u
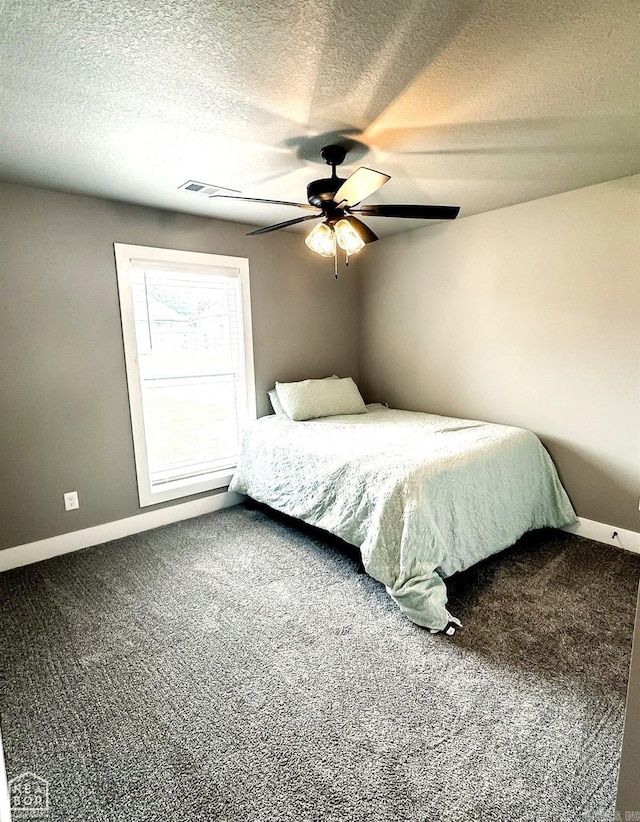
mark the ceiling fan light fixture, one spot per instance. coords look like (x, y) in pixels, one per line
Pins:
(348, 237)
(322, 240)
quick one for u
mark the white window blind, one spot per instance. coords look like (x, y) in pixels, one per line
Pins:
(189, 370)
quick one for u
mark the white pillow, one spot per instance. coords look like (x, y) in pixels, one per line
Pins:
(275, 403)
(310, 399)
(278, 410)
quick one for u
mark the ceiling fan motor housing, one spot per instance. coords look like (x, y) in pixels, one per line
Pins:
(321, 192)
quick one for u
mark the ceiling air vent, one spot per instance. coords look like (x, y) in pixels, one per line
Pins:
(206, 189)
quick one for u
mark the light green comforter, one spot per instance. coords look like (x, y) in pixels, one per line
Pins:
(422, 496)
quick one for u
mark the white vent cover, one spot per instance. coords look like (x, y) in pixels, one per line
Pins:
(206, 189)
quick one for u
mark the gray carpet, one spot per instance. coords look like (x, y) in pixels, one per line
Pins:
(237, 667)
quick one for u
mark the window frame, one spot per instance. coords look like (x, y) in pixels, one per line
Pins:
(125, 254)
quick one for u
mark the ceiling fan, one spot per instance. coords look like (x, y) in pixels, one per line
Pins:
(335, 201)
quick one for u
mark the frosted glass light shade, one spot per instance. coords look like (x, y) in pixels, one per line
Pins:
(321, 240)
(348, 238)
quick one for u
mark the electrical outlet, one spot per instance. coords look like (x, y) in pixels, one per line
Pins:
(71, 501)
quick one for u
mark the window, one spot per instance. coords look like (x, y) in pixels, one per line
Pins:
(186, 323)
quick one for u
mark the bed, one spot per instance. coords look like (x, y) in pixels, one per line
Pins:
(422, 496)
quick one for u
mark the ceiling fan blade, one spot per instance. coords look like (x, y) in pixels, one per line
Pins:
(365, 233)
(259, 200)
(284, 225)
(362, 183)
(416, 212)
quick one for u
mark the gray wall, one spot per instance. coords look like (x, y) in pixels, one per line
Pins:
(64, 411)
(530, 316)
(629, 776)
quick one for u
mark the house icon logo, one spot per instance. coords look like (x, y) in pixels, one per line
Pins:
(28, 795)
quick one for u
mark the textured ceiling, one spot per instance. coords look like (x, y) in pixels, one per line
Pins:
(470, 103)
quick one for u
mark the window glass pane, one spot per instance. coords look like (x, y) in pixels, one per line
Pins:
(191, 362)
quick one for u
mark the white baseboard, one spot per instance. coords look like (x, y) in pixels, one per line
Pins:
(601, 532)
(77, 540)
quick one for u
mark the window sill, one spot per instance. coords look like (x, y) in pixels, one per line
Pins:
(185, 488)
